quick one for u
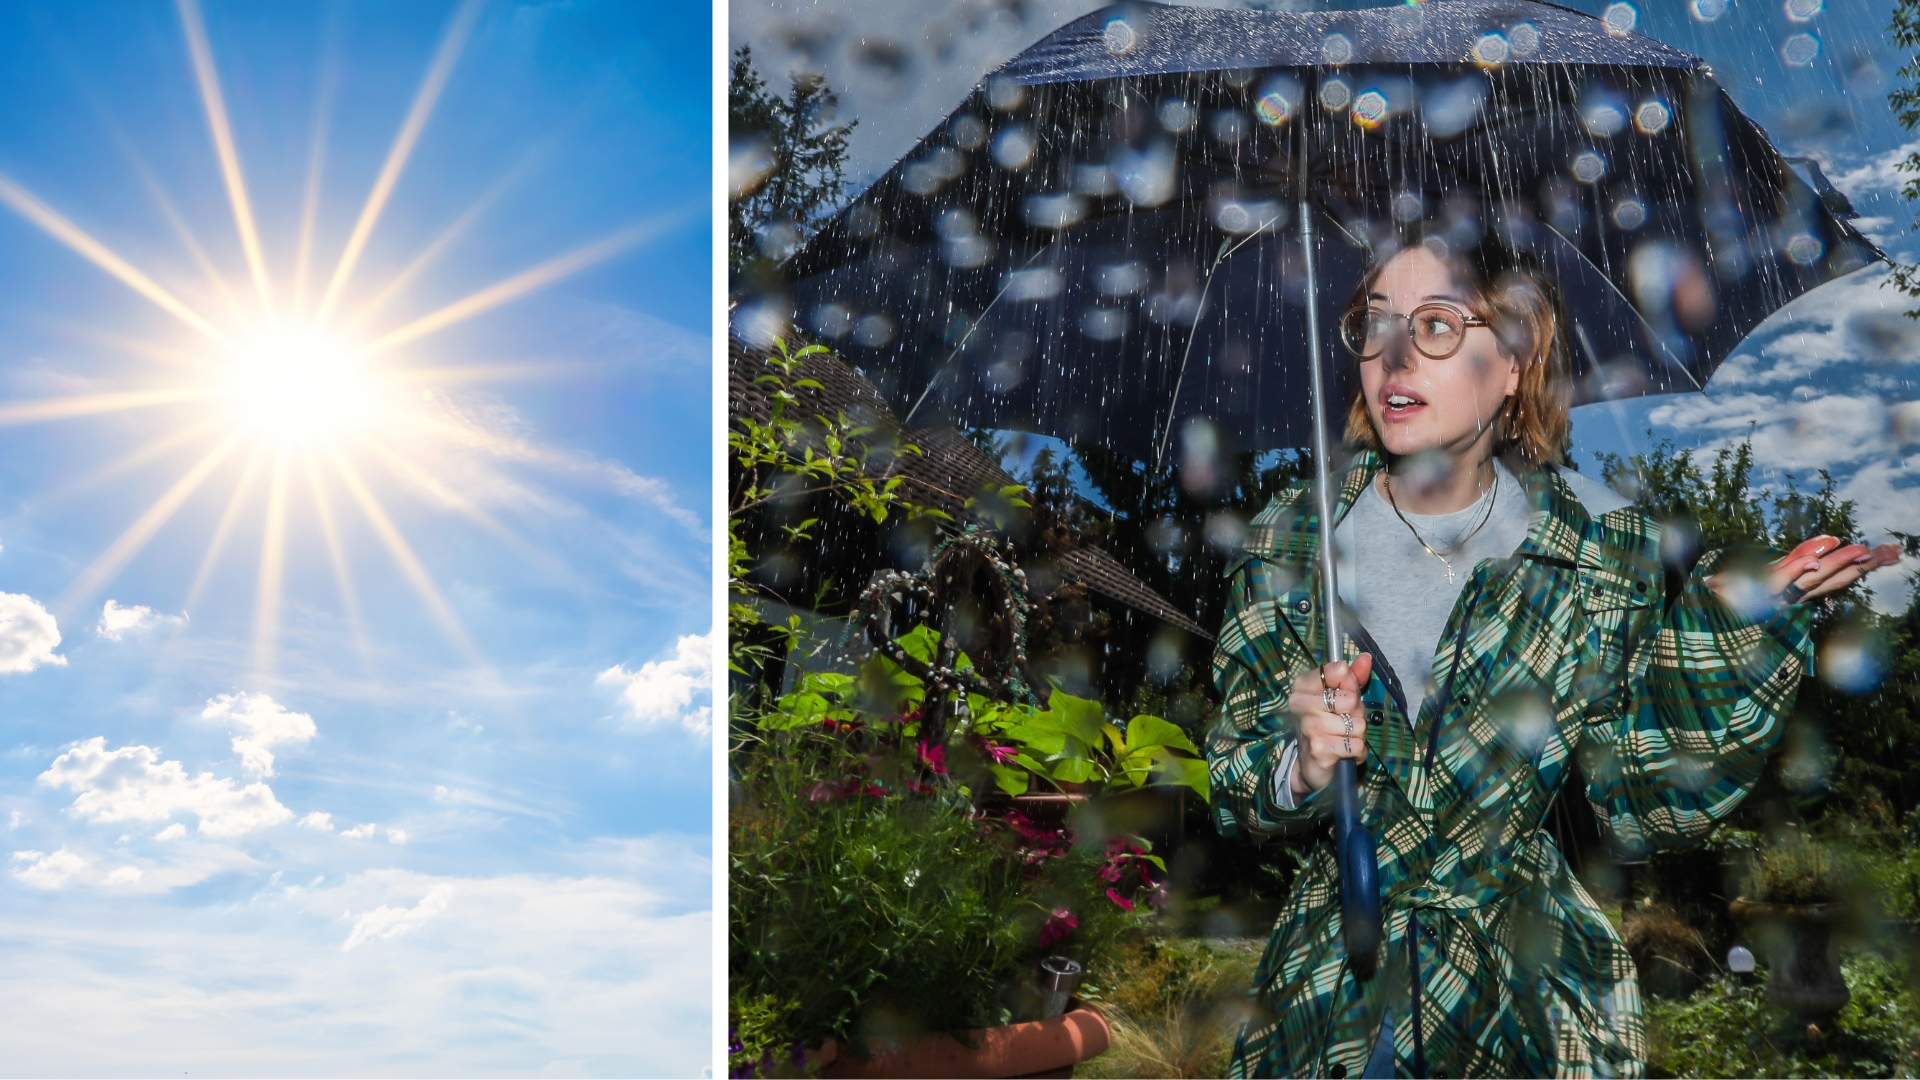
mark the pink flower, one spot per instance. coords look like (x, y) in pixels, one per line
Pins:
(1057, 927)
(1125, 904)
(934, 757)
(1001, 754)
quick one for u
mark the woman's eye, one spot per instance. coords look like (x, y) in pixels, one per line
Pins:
(1438, 327)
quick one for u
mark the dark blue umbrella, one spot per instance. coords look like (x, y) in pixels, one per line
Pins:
(1125, 229)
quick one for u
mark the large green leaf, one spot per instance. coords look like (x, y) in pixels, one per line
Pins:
(1174, 771)
(1012, 781)
(1146, 731)
(1076, 716)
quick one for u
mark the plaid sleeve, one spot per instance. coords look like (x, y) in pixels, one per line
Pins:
(1705, 694)
(1253, 666)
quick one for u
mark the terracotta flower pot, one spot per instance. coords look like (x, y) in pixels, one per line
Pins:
(1038, 1048)
(1803, 959)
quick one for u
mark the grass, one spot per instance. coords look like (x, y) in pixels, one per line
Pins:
(1175, 1011)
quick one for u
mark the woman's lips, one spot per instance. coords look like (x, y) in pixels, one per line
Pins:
(1399, 403)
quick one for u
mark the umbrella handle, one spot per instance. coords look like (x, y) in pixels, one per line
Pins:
(1359, 872)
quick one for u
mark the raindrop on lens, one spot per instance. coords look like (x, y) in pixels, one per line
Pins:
(832, 321)
(1119, 37)
(1803, 10)
(1491, 49)
(1589, 167)
(1629, 214)
(1005, 94)
(862, 221)
(1805, 250)
(1093, 179)
(1036, 283)
(1337, 49)
(966, 252)
(1652, 117)
(954, 222)
(1277, 102)
(1407, 206)
(1524, 39)
(1852, 661)
(1123, 279)
(1177, 116)
(1104, 324)
(1707, 10)
(1226, 532)
(1228, 126)
(1370, 108)
(1620, 18)
(967, 131)
(1450, 109)
(1013, 147)
(1740, 960)
(1604, 118)
(1800, 49)
(873, 331)
(1053, 211)
(1335, 95)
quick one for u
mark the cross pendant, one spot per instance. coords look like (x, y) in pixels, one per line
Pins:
(1449, 567)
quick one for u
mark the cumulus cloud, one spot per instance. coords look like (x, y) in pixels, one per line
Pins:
(133, 784)
(172, 832)
(117, 622)
(386, 923)
(359, 832)
(125, 875)
(318, 821)
(265, 722)
(398, 836)
(28, 635)
(47, 871)
(664, 690)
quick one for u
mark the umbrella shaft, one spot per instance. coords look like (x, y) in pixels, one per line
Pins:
(1322, 472)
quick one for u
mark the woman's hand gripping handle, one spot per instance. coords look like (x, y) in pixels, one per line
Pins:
(1332, 723)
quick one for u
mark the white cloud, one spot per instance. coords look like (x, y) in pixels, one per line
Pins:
(317, 820)
(1876, 174)
(359, 832)
(172, 832)
(667, 689)
(593, 974)
(28, 635)
(117, 622)
(14, 820)
(266, 722)
(133, 784)
(386, 923)
(125, 875)
(43, 871)
(398, 836)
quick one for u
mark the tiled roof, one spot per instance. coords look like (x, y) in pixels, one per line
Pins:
(948, 470)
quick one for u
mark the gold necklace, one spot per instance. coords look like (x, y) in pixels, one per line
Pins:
(1386, 484)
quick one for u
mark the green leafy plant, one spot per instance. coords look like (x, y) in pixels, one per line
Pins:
(1799, 870)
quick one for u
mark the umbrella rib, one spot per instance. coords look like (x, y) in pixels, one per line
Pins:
(1174, 402)
(907, 420)
(1652, 334)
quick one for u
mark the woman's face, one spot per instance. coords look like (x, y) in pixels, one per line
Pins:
(1421, 405)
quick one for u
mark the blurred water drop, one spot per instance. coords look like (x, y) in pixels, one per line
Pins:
(1805, 249)
(1853, 660)
(1452, 108)
(778, 240)
(1808, 760)
(1166, 537)
(1119, 36)
(1707, 10)
(1492, 49)
(1013, 147)
(1279, 100)
(1163, 658)
(1147, 177)
(1177, 116)
(1226, 533)
(1620, 18)
(863, 221)
(1740, 960)
(1335, 95)
(1589, 167)
(1053, 211)
(873, 331)
(883, 57)
(954, 222)
(1604, 118)
(832, 321)
(1122, 279)
(1523, 720)
(1652, 117)
(1104, 324)
(1091, 178)
(1202, 470)
(1005, 94)
(1336, 49)
(750, 161)
(760, 324)
(1884, 335)
(1803, 10)
(1523, 38)
(966, 252)
(1903, 424)
(1370, 108)
(1629, 213)
(1034, 283)
(1407, 206)
(967, 131)
(1229, 126)
(1800, 49)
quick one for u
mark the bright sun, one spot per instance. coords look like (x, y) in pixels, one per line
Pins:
(287, 381)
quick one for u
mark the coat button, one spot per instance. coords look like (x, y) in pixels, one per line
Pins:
(1640, 586)
(1303, 605)
(1374, 717)
(1338, 1071)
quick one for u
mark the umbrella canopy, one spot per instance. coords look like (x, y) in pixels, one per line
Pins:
(1101, 243)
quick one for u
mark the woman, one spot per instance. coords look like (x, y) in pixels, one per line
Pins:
(1508, 619)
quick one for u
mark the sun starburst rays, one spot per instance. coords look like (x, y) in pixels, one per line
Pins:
(285, 395)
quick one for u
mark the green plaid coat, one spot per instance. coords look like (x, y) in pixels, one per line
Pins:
(1570, 650)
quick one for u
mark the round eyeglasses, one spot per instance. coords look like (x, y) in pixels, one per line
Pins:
(1437, 330)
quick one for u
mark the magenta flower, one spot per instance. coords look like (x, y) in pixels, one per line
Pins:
(1125, 904)
(1057, 927)
(934, 757)
(1001, 754)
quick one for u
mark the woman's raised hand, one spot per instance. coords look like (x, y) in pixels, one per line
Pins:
(1328, 732)
(1819, 566)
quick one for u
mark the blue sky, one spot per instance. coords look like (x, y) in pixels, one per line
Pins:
(375, 735)
(1830, 381)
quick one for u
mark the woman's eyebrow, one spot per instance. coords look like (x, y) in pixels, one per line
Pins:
(1441, 296)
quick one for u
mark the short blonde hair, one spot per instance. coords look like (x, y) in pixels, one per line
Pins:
(1511, 290)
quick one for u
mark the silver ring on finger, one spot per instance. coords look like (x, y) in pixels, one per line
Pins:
(1346, 737)
(1326, 698)
(1792, 594)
